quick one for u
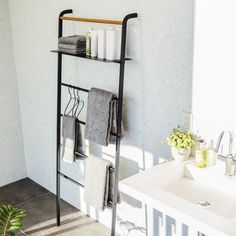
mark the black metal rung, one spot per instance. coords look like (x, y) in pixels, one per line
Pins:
(70, 179)
(81, 154)
(80, 121)
(74, 181)
(75, 87)
(81, 89)
(83, 123)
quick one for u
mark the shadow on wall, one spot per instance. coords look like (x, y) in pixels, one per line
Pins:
(130, 229)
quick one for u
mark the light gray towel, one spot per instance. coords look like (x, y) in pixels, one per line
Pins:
(68, 135)
(98, 183)
(72, 46)
(74, 52)
(74, 39)
(101, 117)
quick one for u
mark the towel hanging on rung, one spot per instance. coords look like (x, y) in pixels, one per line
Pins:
(101, 117)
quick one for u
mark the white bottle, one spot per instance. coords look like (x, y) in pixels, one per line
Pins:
(101, 43)
(211, 155)
(94, 43)
(110, 44)
(118, 43)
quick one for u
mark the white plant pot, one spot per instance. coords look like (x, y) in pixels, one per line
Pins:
(180, 154)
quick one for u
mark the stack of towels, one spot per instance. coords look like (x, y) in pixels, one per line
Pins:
(75, 44)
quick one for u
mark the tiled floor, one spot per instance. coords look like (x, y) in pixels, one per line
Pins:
(40, 207)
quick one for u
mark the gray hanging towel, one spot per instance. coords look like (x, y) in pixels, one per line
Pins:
(98, 183)
(114, 123)
(79, 144)
(101, 117)
(74, 39)
(68, 138)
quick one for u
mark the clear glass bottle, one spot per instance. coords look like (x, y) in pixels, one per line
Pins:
(88, 42)
(211, 155)
(197, 139)
(201, 155)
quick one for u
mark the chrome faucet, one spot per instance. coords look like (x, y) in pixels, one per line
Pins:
(229, 158)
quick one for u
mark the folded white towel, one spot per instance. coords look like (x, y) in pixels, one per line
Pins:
(97, 182)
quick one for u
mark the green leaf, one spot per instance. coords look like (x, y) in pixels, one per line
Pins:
(11, 220)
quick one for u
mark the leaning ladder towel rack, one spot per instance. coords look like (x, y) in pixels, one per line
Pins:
(121, 62)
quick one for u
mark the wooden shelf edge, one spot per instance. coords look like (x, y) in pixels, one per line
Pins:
(101, 21)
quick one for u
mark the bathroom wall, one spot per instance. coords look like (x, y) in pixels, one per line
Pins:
(157, 85)
(12, 160)
(214, 68)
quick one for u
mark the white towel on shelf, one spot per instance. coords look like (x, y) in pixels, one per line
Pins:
(102, 43)
(111, 44)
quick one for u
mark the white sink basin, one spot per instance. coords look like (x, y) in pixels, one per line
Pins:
(179, 188)
(195, 192)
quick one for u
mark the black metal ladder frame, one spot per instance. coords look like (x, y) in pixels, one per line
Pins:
(119, 118)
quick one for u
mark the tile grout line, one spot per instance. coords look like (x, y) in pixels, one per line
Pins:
(44, 194)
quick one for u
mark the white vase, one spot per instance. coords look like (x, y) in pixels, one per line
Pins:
(180, 154)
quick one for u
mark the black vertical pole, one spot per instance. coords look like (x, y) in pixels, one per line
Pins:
(119, 119)
(59, 76)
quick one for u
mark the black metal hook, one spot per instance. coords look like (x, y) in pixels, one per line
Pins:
(70, 99)
(78, 104)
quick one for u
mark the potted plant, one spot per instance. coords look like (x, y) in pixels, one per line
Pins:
(180, 143)
(11, 220)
